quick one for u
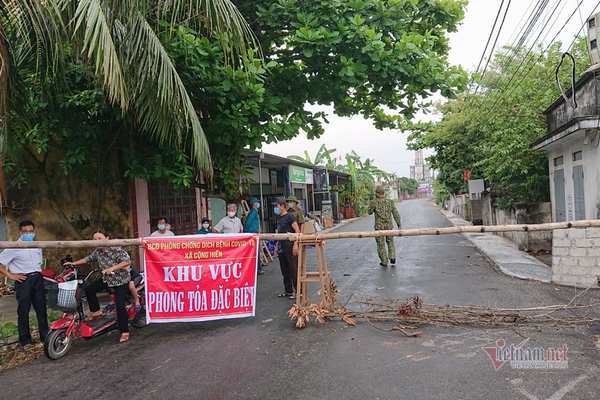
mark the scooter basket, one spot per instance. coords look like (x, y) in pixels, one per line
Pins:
(67, 295)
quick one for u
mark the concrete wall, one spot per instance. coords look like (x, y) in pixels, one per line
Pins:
(533, 214)
(458, 205)
(576, 257)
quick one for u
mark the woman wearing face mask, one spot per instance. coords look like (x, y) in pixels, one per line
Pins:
(163, 228)
(286, 250)
(114, 263)
(252, 224)
(230, 223)
(205, 227)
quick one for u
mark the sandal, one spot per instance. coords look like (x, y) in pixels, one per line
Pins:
(284, 294)
(124, 337)
(292, 296)
(95, 315)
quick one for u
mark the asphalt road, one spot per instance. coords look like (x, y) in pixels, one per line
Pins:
(267, 358)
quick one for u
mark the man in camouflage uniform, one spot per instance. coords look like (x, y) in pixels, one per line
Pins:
(384, 210)
(294, 209)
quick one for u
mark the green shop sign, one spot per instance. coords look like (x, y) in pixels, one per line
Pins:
(297, 174)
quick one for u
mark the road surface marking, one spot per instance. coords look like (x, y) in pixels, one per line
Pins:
(559, 394)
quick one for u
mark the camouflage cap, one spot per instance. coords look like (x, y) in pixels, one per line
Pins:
(292, 199)
(380, 190)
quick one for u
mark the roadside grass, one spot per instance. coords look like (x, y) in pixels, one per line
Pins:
(11, 355)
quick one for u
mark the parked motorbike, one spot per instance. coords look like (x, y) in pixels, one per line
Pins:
(66, 292)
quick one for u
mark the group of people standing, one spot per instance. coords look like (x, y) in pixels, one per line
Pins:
(24, 266)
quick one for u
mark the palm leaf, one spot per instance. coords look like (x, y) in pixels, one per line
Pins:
(28, 28)
(163, 105)
(92, 19)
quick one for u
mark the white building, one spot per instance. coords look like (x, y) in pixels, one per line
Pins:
(420, 170)
(572, 146)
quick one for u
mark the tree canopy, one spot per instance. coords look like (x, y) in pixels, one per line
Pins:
(120, 41)
(377, 58)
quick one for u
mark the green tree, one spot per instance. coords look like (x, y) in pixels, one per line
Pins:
(376, 58)
(120, 39)
(490, 133)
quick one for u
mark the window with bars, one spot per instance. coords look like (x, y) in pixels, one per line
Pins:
(178, 205)
(558, 161)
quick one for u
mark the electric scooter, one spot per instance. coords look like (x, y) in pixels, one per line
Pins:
(73, 323)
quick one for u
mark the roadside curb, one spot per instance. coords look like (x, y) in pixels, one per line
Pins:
(503, 254)
(340, 225)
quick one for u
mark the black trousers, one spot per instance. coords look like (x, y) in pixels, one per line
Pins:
(289, 269)
(120, 294)
(31, 292)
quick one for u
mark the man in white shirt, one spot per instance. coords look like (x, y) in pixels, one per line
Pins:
(24, 266)
(230, 223)
(163, 228)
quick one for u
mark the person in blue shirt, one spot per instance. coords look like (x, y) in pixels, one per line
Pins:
(252, 223)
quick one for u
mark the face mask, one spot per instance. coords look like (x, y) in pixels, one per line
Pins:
(257, 205)
(162, 227)
(277, 211)
(290, 205)
(205, 226)
(27, 237)
(231, 214)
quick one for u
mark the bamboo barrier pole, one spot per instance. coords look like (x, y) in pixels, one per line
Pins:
(595, 223)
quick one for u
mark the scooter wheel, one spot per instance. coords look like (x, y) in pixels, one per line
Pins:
(57, 344)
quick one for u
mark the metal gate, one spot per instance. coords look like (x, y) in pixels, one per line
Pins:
(579, 192)
(178, 205)
(559, 195)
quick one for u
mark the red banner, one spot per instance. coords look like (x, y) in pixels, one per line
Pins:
(200, 278)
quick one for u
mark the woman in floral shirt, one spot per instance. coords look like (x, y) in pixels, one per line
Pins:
(114, 263)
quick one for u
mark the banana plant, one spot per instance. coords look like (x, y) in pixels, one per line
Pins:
(324, 157)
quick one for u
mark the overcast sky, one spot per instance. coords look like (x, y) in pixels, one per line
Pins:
(388, 148)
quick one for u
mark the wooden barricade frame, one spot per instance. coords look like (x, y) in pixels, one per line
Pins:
(316, 239)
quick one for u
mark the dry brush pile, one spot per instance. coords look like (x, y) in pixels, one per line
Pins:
(406, 316)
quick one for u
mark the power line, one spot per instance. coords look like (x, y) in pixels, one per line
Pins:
(524, 33)
(532, 46)
(521, 25)
(494, 46)
(489, 39)
(582, 23)
(548, 47)
(525, 58)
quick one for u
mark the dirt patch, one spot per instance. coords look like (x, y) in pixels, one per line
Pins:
(13, 355)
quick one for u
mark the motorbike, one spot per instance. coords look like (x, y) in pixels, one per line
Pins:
(66, 293)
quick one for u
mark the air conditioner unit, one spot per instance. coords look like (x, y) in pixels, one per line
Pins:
(593, 25)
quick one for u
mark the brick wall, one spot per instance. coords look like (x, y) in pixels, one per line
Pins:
(576, 257)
